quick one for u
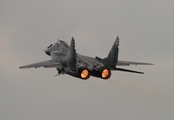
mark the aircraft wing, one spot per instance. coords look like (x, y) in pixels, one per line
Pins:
(127, 63)
(47, 64)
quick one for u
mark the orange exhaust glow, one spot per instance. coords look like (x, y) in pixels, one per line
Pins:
(106, 74)
(85, 74)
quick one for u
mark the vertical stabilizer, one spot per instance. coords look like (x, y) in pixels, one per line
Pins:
(112, 57)
(71, 55)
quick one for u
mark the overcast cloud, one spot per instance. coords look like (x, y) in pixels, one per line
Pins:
(146, 32)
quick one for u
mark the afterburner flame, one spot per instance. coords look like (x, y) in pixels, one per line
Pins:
(85, 74)
(106, 74)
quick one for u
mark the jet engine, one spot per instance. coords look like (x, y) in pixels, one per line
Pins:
(102, 72)
(80, 72)
(83, 73)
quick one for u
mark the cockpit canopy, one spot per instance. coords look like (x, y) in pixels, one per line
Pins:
(50, 45)
(60, 41)
(59, 46)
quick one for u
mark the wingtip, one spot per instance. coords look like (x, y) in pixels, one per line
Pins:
(21, 67)
(149, 64)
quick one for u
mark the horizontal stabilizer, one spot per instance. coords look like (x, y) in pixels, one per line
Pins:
(126, 70)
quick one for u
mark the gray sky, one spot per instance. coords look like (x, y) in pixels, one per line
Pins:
(145, 29)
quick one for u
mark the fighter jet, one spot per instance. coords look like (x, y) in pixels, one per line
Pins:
(65, 59)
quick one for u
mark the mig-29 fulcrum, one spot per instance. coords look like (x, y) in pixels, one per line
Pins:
(65, 59)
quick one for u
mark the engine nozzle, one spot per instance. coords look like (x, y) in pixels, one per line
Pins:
(84, 73)
(101, 72)
(106, 73)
